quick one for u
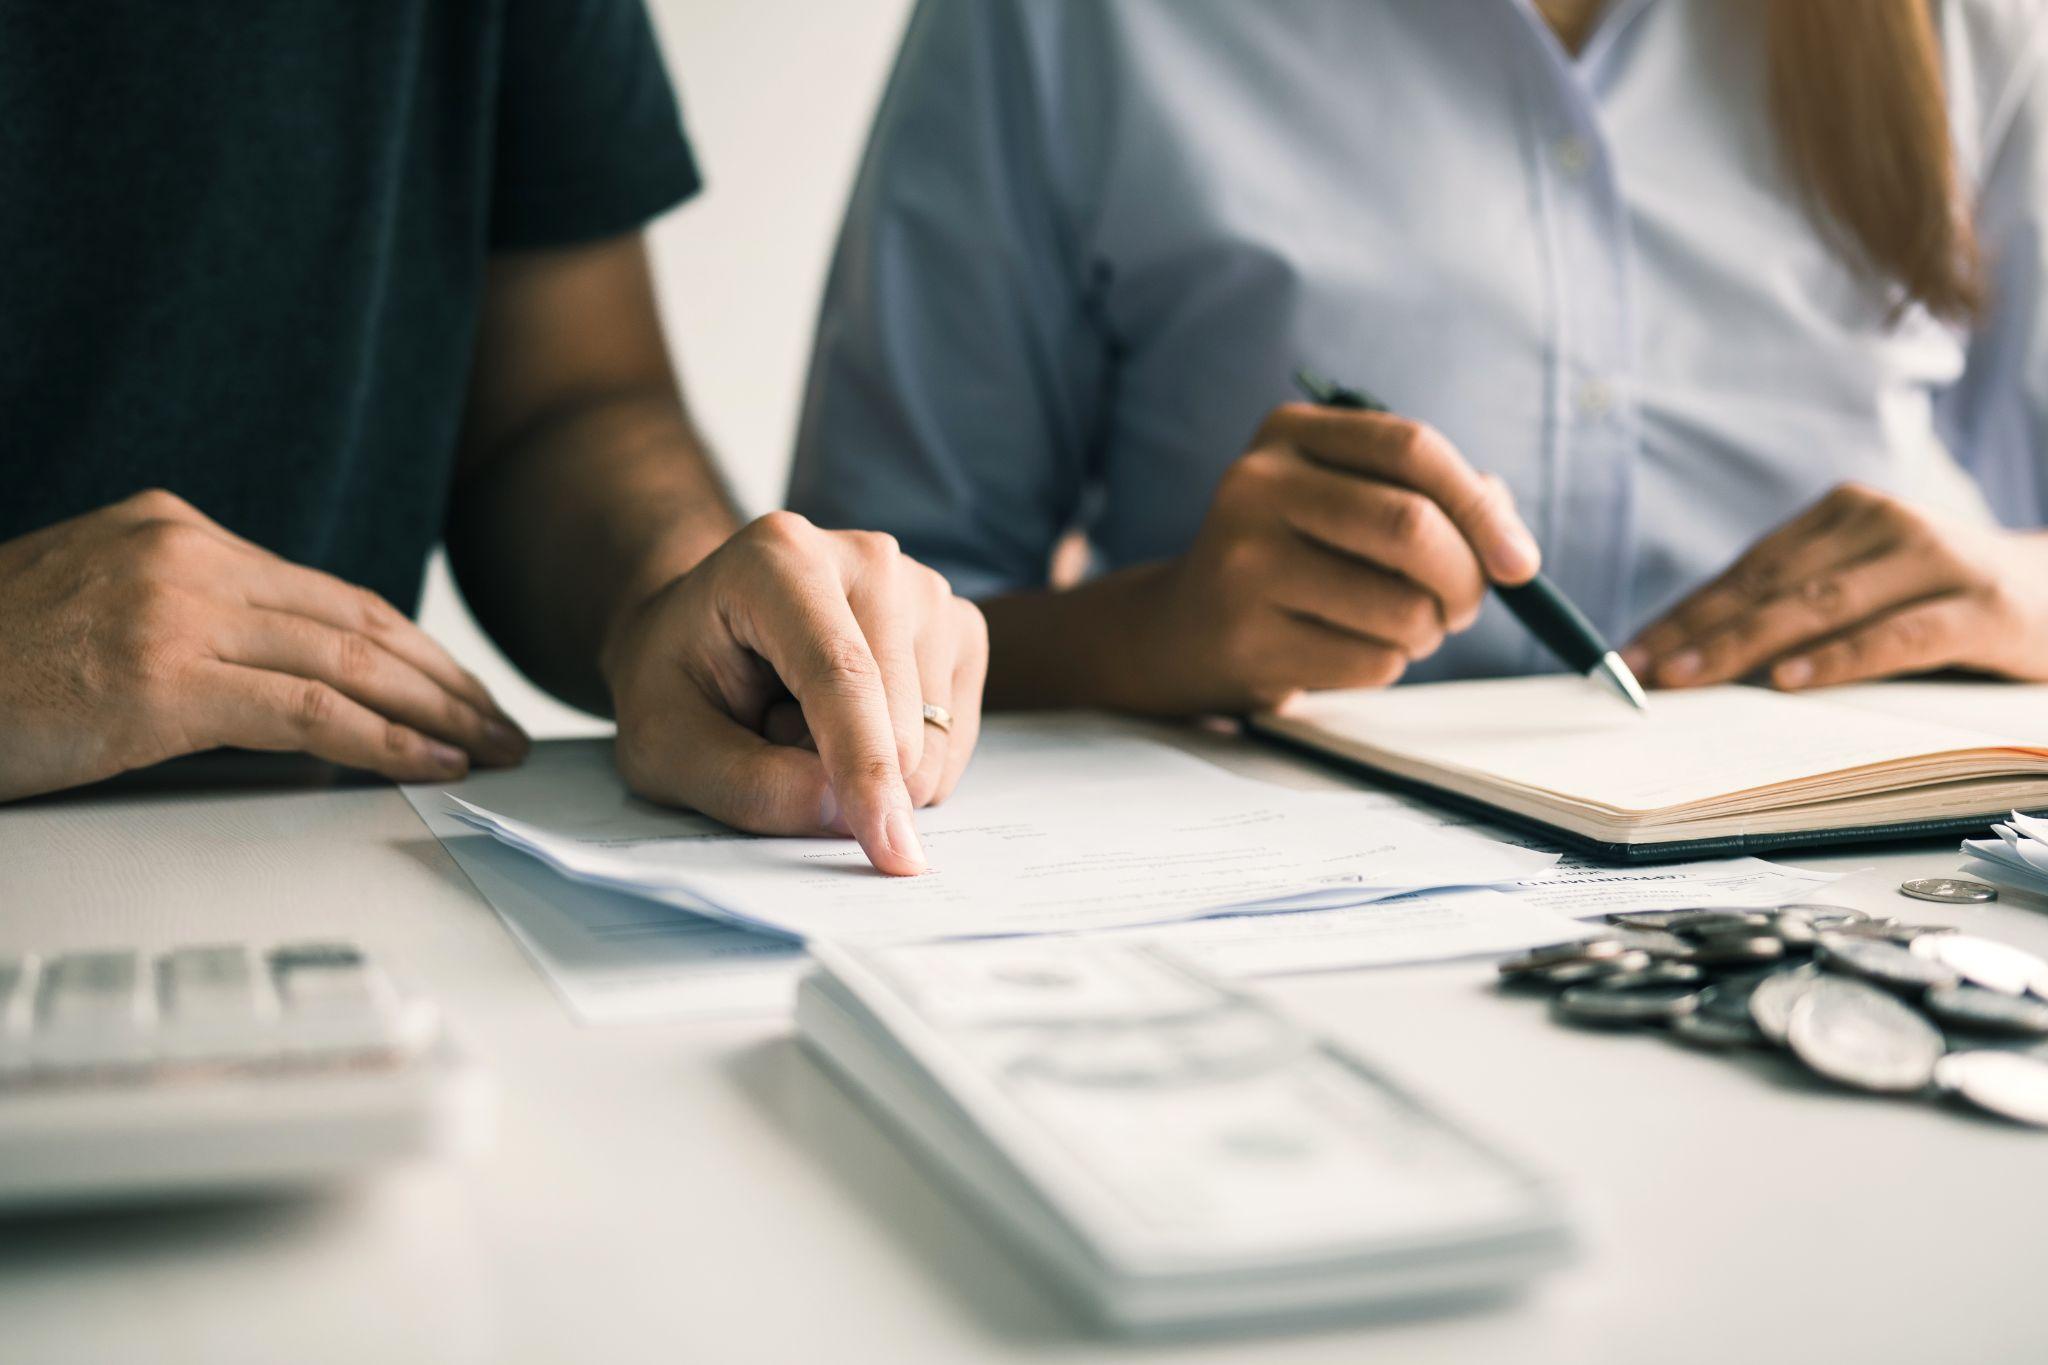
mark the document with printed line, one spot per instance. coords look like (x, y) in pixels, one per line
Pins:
(1056, 831)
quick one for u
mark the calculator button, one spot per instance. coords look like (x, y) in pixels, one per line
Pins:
(17, 1005)
(292, 956)
(17, 980)
(94, 1009)
(215, 1004)
(333, 1000)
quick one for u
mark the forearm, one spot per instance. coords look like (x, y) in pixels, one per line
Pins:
(1084, 646)
(577, 518)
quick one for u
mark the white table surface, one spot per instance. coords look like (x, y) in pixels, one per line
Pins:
(703, 1192)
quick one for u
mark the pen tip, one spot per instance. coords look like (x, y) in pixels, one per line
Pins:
(1623, 680)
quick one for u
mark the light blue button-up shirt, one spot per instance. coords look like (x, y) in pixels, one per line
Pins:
(1091, 240)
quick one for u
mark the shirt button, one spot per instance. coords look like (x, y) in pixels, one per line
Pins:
(1595, 398)
(1573, 155)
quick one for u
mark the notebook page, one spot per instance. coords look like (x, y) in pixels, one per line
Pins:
(2005, 713)
(1565, 735)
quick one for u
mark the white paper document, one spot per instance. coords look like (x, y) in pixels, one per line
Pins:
(613, 958)
(1426, 927)
(1054, 832)
(1584, 889)
(2018, 856)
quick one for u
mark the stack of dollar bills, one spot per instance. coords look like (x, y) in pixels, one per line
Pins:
(1170, 1153)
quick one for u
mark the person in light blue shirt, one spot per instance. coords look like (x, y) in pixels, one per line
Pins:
(1641, 282)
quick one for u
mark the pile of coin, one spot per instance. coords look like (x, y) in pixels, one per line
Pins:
(1864, 1001)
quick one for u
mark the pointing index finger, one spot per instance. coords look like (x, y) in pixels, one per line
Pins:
(813, 642)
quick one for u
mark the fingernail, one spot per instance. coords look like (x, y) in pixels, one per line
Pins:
(1680, 666)
(1513, 556)
(447, 760)
(1793, 673)
(901, 835)
(505, 738)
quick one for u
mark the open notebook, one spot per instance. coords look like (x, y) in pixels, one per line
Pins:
(1710, 771)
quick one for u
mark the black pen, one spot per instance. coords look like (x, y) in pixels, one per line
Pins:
(1537, 604)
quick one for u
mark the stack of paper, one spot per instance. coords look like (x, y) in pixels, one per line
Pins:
(2017, 857)
(1110, 834)
(617, 955)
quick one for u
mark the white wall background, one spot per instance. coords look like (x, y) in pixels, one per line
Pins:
(777, 95)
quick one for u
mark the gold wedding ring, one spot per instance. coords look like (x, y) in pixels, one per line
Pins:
(938, 716)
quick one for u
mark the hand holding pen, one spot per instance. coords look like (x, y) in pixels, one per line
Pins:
(1339, 548)
(1537, 603)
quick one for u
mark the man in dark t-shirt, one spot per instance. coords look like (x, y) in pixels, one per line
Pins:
(288, 293)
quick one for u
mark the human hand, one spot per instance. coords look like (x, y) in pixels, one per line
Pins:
(1859, 586)
(143, 631)
(855, 633)
(1339, 549)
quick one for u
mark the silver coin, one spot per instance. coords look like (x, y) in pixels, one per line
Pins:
(1885, 963)
(1647, 919)
(2037, 1048)
(1706, 1029)
(1729, 998)
(1949, 890)
(1661, 944)
(1520, 973)
(1737, 950)
(1794, 931)
(1699, 923)
(1646, 1005)
(2012, 1085)
(1857, 1035)
(1656, 974)
(1772, 999)
(1823, 916)
(1983, 961)
(1576, 973)
(1889, 931)
(1974, 1007)
(1551, 954)
(2025, 1046)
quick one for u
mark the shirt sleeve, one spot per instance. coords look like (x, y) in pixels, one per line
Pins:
(957, 379)
(1995, 418)
(589, 137)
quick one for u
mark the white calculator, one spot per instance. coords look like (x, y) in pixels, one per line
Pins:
(218, 1068)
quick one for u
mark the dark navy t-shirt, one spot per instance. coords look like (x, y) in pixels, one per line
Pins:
(242, 246)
